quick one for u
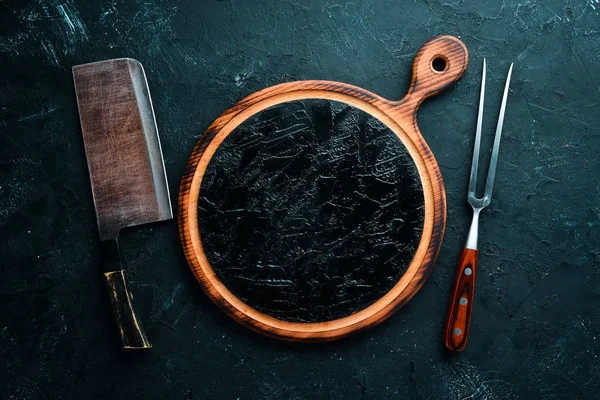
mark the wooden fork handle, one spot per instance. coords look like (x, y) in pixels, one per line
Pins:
(459, 314)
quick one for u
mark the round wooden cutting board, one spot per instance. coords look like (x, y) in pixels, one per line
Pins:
(312, 210)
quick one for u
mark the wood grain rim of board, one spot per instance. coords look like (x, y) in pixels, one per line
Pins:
(437, 65)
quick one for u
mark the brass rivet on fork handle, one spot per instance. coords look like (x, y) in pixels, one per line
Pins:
(461, 304)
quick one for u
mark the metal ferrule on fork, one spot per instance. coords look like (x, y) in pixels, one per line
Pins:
(473, 231)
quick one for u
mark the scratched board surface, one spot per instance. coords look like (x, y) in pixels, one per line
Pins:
(536, 322)
(311, 210)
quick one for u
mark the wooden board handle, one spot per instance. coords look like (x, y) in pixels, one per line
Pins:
(459, 314)
(438, 64)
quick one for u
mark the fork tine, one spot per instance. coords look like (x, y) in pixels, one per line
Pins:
(489, 185)
(475, 161)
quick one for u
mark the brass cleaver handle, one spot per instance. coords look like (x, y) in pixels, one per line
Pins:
(130, 330)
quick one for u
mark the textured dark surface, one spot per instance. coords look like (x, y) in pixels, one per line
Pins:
(311, 210)
(536, 322)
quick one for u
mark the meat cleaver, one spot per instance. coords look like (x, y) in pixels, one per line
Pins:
(126, 169)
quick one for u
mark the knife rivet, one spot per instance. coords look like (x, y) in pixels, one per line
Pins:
(463, 301)
(457, 331)
(468, 271)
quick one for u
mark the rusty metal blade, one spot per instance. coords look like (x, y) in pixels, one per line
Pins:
(122, 147)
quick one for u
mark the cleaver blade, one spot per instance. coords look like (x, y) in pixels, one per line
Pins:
(126, 168)
(122, 147)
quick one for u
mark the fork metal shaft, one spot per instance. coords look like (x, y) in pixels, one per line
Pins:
(473, 230)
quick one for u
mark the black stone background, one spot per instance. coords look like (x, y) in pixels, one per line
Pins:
(535, 329)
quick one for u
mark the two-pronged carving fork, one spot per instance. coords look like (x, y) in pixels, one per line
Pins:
(459, 315)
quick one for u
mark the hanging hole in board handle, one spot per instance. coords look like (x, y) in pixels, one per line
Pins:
(439, 63)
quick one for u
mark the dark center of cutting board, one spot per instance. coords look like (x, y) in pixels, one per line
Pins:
(311, 210)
